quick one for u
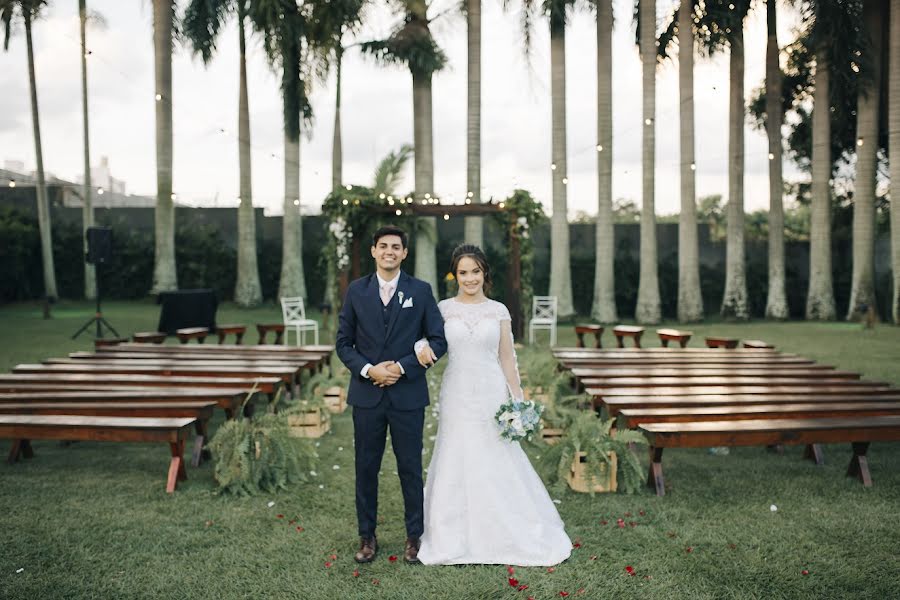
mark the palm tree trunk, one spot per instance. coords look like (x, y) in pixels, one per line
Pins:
(337, 157)
(247, 289)
(164, 273)
(776, 300)
(820, 299)
(863, 289)
(690, 300)
(474, 228)
(426, 228)
(604, 309)
(43, 205)
(648, 305)
(894, 149)
(560, 269)
(734, 303)
(292, 280)
(87, 210)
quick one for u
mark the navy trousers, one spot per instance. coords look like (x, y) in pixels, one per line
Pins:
(370, 426)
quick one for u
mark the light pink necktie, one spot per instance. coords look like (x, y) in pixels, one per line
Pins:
(386, 293)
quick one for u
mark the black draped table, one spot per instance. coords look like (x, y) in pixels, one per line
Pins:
(187, 308)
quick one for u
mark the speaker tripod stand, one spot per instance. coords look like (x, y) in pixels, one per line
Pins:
(97, 255)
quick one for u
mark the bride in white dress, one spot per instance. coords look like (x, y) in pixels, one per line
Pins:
(484, 503)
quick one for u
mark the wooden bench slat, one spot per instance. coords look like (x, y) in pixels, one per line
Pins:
(630, 418)
(718, 381)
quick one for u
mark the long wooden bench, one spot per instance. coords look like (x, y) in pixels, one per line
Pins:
(717, 363)
(229, 400)
(22, 429)
(193, 359)
(674, 335)
(12, 381)
(614, 405)
(860, 432)
(576, 351)
(802, 371)
(632, 331)
(321, 354)
(631, 418)
(200, 411)
(719, 380)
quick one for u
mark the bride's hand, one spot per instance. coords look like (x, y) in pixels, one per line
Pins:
(426, 356)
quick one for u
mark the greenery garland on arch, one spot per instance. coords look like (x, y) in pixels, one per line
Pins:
(520, 216)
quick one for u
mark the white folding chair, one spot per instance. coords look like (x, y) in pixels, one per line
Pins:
(543, 316)
(294, 316)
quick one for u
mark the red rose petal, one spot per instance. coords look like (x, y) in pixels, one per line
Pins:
(375, 582)
(579, 592)
(689, 549)
(291, 522)
(642, 513)
(513, 582)
(632, 523)
(392, 558)
(621, 524)
(356, 572)
(604, 522)
(522, 587)
(280, 516)
(564, 594)
(551, 569)
(327, 565)
(300, 529)
(804, 572)
(630, 570)
(510, 570)
(577, 544)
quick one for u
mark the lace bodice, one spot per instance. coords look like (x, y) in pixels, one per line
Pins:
(479, 338)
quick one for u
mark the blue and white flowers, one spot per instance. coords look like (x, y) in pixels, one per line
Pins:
(519, 419)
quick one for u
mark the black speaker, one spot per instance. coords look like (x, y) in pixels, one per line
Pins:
(99, 245)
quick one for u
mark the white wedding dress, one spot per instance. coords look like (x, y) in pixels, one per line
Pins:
(484, 503)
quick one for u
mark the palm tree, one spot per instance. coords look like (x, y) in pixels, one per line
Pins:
(604, 306)
(894, 148)
(648, 303)
(203, 21)
(412, 45)
(474, 228)
(863, 290)
(283, 27)
(776, 300)
(390, 171)
(30, 10)
(165, 276)
(87, 210)
(820, 297)
(690, 300)
(724, 26)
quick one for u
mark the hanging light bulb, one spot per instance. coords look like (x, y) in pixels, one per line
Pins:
(349, 187)
(552, 166)
(296, 203)
(693, 166)
(648, 121)
(345, 202)
(446, 217)
(158, 97)
(12, 183)
(173, 196)
(859, 142)
(771, 156)
(565, 180)
(381, 196)
(398, 212)
(599, 148)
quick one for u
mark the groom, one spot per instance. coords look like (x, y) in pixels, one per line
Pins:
(383, 316)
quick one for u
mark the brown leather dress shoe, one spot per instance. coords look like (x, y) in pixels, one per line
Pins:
(368, 548)
(411, 553)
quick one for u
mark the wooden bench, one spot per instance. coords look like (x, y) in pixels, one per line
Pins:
(700, 369)
(623, 331)
(858, 431)
(263, 330)
(22, 429)
(721, 380)
(757, 344)
(582, 328)
(149, 337)
(201, 411)
(229, 400)
(192, 333)
(674, 335)
(721, 342)
(721, 362)
(62, 381)
(631, 418)
(102, 342)
(236, 330)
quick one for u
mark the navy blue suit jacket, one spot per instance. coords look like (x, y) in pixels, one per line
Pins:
(363, 338)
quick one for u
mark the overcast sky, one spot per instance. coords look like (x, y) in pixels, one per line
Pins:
(376, 111)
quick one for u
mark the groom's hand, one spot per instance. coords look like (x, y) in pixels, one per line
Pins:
(385, 373)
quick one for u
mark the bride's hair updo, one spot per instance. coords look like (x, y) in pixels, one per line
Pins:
(476, 254)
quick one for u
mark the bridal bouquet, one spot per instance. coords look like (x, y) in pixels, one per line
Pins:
(519, 419)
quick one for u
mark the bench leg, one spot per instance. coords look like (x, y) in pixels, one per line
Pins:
(197, 454)
(176, 466)
(637, 340)
(620, 342)
(655, 476)
(814, 453)
(221, 337)
(684, 341)
(580, 342)
(599, 344)
(664, 342)
(239, 338)
(279, 337)
(859, 466)
(14, 451)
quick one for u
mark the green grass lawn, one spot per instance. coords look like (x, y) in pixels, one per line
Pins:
(92, 520)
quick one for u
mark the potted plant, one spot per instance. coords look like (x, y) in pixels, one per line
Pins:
(259, 454)
(593, 457)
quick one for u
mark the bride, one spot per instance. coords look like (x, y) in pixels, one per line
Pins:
(484, 503)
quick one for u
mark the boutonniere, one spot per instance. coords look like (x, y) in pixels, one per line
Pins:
(400, 297)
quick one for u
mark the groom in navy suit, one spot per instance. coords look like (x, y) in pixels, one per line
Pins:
(383, 316)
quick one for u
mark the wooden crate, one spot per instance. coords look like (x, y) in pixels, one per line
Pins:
(336, 399)
(312, 424)
(552, 435)
(576, 476)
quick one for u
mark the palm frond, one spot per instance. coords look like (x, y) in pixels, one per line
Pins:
(389, 172)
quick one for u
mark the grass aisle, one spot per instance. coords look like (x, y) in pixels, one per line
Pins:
(93, 521)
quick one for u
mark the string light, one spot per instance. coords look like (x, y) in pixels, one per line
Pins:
(349, 187)
(599, 148)
(503, 205)
(446, 217)
(398, 212)
(648, 121)
(99, 191)
(771, 156)
(381, 196)
(173, 196)
(565, 180)
(296, 203)
(859, 142)
(693, 166)
(552, 166)
(159, 97)
(345, 202)
(12, 183)
(470, 194)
